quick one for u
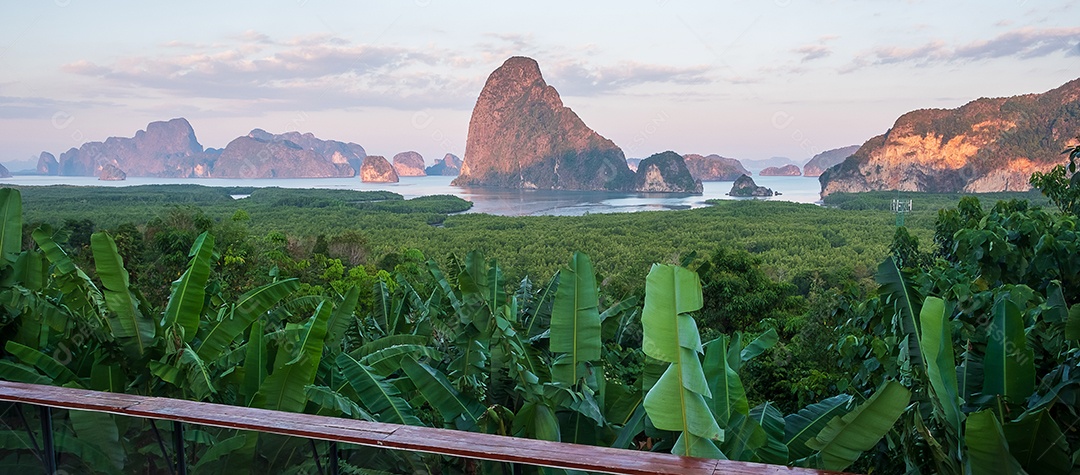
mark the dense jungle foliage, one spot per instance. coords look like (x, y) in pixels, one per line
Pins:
(789, 334)
(805, 244)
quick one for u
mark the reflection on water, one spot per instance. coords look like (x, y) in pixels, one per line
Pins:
(491, 201)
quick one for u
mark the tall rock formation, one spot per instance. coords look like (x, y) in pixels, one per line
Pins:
(170, 149)
(409, 164)
(786, 170)
(714, 167)
(985, 145)
(827, 159)
(260, 154)
(665, 173)
(47, 164)
(164, 149)
(4, 173)
(521, 136)
(377, 169)
(745, 187)
(450, 165)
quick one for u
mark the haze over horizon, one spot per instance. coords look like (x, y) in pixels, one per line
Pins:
(741, 79)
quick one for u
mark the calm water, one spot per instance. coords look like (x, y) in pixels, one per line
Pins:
(500, 202)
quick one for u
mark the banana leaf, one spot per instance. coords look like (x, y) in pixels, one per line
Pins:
(536, 420)
(759, 345)
(11, 371)
(255, 361)
(198, 378)
(1072, 326)
(1009, 365)
(937, 350)
(846, 437)
(742, 437)
(728, 395)
(11, 230)
(896, 291)
(185, 306)
(59, 373)
(802, 426)
(283, 389)
(216, 337)
(327, 398)
(1036, 441)
(455, 408)
(575, 321)
(769, 418)
(987, 449)
(386, 360)
(99, 430)
(381, 398)
(126, 321)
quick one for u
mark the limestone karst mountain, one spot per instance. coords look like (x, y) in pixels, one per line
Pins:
(522, 136)
(665, 173)
(377, 169)
(170, 149)
(450, 165)
(786, 170)
(983, 146)
(713, 167)
(409, 164)
(744, 186)
(261, 154)
(164, 149)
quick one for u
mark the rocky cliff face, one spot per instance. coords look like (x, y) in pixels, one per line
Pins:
(47, 164)
(110, 172)
(986, 145)
(665, 173)
(714, 167)
(744, 186)
(260, 154)
(786, 170)
(521, 136)
(4, 173)
(409, 164)
(332, 150)
(827, 159)
(450, 165)
(377, 169)
(170, 149)
(164, 149)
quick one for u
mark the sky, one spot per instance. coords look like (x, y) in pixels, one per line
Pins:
(743, 79)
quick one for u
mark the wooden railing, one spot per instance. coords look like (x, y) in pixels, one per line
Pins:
(374, 434)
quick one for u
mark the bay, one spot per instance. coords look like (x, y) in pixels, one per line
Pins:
(485, 200)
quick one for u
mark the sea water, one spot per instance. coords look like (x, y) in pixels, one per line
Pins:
(485, 200)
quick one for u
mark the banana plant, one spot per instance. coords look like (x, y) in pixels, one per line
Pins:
(677, 401)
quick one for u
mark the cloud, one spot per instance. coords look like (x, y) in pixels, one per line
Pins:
(255, 72)
(42, 107)
(320, 71)
(576, 78)
(812, 52)
(1025, 43)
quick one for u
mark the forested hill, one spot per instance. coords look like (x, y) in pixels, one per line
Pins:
(983, 146)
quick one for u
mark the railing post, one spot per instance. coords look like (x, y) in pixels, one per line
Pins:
(178, 448)
(48, 454)
(333, 458)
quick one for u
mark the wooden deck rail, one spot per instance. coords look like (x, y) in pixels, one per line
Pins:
(390, 436)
